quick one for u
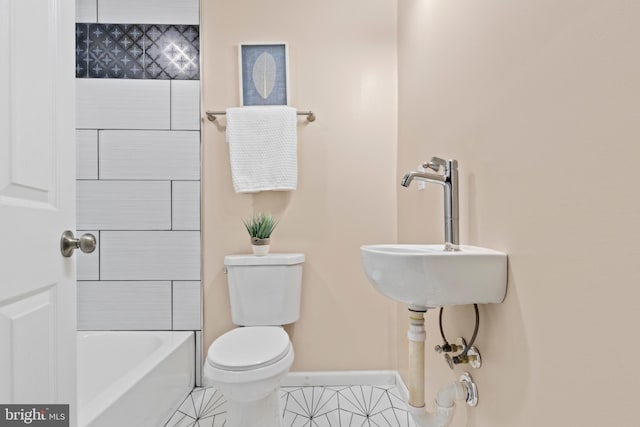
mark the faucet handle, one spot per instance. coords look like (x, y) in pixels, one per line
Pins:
(430, 165)
(435, 164)
(438, 161)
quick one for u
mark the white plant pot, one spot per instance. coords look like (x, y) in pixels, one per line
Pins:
(260, 250)
(260, 246)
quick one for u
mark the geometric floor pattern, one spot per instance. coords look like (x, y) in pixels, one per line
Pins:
(343, 406)
(203, 407)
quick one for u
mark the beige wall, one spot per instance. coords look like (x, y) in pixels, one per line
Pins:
(538, 100)
(343, 67)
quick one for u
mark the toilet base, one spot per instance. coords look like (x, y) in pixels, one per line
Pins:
(265, 412)
(253, 395)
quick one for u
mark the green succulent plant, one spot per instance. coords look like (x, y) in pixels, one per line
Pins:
(260, 225)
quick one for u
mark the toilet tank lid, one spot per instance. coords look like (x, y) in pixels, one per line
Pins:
(271, 259)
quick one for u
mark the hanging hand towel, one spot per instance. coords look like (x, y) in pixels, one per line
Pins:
(263, 148)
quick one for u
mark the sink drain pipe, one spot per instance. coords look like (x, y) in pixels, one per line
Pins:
(463, 390)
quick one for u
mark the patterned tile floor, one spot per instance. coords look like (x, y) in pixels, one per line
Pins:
(345, 406)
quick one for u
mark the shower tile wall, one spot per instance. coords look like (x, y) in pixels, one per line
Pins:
(138, 157)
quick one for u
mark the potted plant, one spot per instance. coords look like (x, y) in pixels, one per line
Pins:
(260, 226)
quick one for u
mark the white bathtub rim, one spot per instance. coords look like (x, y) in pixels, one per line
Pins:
(102, 401)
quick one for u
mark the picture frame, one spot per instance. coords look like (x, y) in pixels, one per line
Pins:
(264, 73)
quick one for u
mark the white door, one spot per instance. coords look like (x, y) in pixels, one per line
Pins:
(37, 202)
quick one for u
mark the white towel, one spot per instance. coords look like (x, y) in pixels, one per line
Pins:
(263, 148)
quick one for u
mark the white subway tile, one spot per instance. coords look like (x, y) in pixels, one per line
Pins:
(186, 306)
(88, 265)
(185, 104)
(122, 104)
(124, 305)
(150, 255)
(186, 205)
(87, 154)
(124, 205)
(150, 155)
(150, 11)
(87, 11)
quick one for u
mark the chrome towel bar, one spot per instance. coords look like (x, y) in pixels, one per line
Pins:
(211, 115)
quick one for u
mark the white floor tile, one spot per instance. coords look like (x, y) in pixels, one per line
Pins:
(214, 404)
(198, 396)
(205, 421)
(296, 405)
(327, 402)
(181, 420)
(396, 400)
(330, 419)
(379, 400)
(188, 408)
(345, 406)
(350, 401)
(219, 421)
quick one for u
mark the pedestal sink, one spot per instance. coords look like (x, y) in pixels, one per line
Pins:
(429, 276)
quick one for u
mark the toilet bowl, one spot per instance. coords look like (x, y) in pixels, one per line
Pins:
(247, 366)
(248, 363)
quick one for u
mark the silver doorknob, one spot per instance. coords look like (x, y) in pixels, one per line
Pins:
(68, 243)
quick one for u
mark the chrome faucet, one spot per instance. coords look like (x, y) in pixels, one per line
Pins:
(449, 180)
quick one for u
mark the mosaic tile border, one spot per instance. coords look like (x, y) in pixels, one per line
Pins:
(138, 51)
(345, 406)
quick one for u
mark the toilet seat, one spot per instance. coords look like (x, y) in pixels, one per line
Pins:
(249, 348)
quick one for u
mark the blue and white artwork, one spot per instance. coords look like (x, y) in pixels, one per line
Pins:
(263, 74)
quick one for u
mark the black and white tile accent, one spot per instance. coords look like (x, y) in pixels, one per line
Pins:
(138, 51)
(343, 406)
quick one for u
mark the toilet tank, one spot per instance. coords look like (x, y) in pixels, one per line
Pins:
(264, 290)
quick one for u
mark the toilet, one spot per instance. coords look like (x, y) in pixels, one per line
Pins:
(248, 363)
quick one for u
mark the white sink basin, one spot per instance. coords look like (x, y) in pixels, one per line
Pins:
(429, 276)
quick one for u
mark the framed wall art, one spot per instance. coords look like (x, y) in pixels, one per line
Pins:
(264, 74)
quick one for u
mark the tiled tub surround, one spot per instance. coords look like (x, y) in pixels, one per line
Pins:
(138, 165)
(339, 406)
(137, 51)
(138, 192)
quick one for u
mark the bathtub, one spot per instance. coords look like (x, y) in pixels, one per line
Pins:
(133, 378)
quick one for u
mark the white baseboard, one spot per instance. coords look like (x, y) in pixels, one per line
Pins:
(338, 378)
